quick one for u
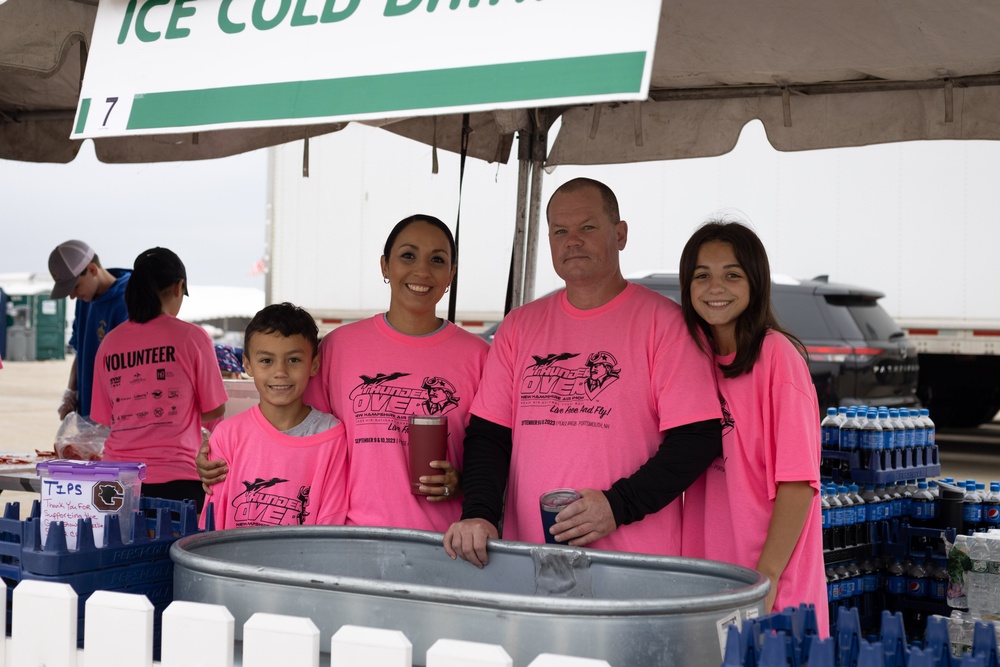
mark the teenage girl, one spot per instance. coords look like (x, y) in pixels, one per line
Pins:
(758, 504)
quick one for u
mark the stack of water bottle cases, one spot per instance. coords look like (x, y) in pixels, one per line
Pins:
(881, 528)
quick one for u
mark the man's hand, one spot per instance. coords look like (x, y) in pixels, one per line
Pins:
(466, 539)
(69, 403)
(585, 520)
(210, 472)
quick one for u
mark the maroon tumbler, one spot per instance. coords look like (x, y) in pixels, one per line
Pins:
(428, 441)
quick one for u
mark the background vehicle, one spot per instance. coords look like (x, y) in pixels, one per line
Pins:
(857, 354)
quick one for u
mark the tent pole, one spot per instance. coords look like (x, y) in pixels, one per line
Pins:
(515, 290)
(538, 146)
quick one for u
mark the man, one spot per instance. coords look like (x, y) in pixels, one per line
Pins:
(538, 424)
(100, 307)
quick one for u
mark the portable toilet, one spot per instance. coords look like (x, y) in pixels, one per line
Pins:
(35, 323)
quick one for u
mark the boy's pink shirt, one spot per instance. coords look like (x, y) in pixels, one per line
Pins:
(568, 433)
(154, 408)
(772, 437)
(370, 378)
(272, 473)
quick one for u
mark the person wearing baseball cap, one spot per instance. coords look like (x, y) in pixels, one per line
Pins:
(100, 307)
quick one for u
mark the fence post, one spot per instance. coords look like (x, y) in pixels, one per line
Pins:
(275, 639)
(118, 630)
(44, 625)
(196, 634)
(371, 647)
(459, 653)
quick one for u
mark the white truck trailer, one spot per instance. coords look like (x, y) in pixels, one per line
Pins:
(917, 221)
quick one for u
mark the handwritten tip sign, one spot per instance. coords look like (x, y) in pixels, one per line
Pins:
(69, 500)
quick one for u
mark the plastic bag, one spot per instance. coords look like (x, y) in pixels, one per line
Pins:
(81, 439)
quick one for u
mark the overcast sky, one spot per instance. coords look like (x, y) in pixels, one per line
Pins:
(210, 212)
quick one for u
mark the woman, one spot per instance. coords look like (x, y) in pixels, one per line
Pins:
(757, 505)
(376, 373)
(156, 380)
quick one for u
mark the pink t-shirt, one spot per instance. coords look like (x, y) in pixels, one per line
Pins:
(771, 435)
(152, 382)
(373, 378)
(276, 479)
(588, 394)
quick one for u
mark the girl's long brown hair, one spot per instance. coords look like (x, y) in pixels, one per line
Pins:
(753, 323)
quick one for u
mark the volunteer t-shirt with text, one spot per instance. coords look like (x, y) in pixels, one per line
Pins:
(152, 382)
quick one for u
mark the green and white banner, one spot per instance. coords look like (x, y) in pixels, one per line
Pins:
(161, 66)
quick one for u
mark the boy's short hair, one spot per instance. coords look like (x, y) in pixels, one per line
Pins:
(286, 319)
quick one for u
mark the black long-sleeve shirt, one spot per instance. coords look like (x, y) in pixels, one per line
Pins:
(686, 452)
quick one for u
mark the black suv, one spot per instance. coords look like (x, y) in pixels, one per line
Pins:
(857, 353)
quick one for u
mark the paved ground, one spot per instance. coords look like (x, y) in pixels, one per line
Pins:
(30, 392)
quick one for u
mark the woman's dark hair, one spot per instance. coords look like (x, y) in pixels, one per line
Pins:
(429, 219)
(283, 318)
(753, 323)
(154, 271)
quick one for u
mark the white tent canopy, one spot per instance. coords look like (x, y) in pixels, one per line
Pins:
(817, 75)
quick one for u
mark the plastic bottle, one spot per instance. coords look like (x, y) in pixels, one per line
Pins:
(861, 531)
(869, 586)
(854, 576)
(873, 514)
(918, 579)
(850, 521)
(862, 412)
(938, 590)
(895, 583)
(899, 431)
(922, 505)
(888, 439)
(925, 417)
(836, 517)
(824, 504)
(842, 414)
(832, 588)
(895, 501)
(972, 509)
(849, 433)
(911, 429)
(991, 507)
(908, 491)
(846, 584)
(870, 441)
(919, 428)
(830, 431)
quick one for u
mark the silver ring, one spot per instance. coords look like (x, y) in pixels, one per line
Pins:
(447, 491)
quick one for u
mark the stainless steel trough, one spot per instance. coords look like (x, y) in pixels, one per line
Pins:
(629, 609)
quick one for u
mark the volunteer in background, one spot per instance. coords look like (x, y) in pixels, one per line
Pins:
(100, 307)
(156, 380)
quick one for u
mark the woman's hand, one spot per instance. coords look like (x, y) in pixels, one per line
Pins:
(210, 472)
(440, 488)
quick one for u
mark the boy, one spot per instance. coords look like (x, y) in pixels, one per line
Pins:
(100, 307)
(287, 462)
